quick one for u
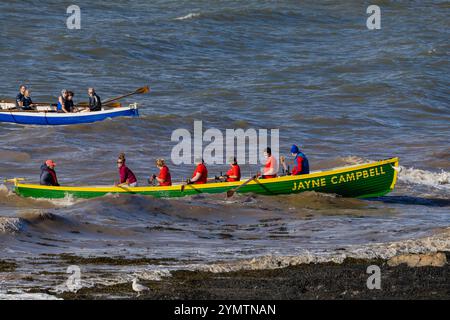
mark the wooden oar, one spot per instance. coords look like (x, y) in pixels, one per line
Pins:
(107, 105)
(142, 90)
(231, 192)
(183, 186)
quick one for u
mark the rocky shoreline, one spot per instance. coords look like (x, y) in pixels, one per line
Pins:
(410, 276)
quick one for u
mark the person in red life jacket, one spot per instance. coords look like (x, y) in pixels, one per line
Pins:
(126, 175)
(234, 174)
(200, 175)
(270, 169)
(301, 163)
(164, 178)
(48, 174)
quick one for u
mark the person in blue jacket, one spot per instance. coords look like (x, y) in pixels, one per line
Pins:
(301, 163)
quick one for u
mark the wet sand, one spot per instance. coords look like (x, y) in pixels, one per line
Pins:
(309, 281)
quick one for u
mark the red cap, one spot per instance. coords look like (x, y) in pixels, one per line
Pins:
(49, 163)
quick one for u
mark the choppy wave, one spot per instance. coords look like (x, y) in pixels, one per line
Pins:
(11, 225)
(188, 16)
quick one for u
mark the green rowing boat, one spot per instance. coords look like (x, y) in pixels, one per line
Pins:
(359, 181)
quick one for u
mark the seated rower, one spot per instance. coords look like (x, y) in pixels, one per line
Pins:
(62, 102)
(301, 163)
(69, 102)
(95, 103)
(270, 169)
(48, 174)
(19, 97)
(234, 174)
(163, 178)
(27, 103)
(126, 175)
(200, 175)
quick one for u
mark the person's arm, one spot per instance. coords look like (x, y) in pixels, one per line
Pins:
(123, 177)
(196, 177)
(98, 102)
(160, 180)
(63, 105)
(19, 102)
(283, 163)
(46, 179)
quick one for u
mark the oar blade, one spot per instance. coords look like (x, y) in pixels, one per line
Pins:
(143, 90)
(114, 105)
(230, 193)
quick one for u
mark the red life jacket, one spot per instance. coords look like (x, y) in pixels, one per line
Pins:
(201, 168)
(271, 163)
(164, 174)
(234, 171)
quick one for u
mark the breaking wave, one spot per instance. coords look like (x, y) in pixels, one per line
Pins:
(423, 177)
(11, 225)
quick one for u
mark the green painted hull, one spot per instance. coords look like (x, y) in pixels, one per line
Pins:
(361, 181)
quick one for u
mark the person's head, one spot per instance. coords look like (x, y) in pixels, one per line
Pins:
(91, 91)
(121, 160)
(232, 160)
(294, 150)
(160, 163)
(70, 95)
(267, 152)
(22, 89)
(27, 92)
(50, 164)
(64, 93)
(198, 160)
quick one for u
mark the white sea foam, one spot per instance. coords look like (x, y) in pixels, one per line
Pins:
(188, 16)
(19, 295)
(423, 177)
(11, 225)
(67, 201)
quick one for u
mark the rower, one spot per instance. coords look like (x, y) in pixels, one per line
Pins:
(95, 103)
(301, 163)
(126, 175)
(48, 174)
(62, 102)
(234, 174)
(200, 175)
(163, 178)
(27, 103)
(270, 169)
(19, 97)
(69, 102)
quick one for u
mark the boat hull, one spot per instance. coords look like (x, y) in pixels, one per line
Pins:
(360, 181)
(54, 119)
